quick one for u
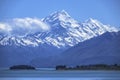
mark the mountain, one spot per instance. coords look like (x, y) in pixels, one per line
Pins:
(104, 49)
(58, 29)
(23, 40)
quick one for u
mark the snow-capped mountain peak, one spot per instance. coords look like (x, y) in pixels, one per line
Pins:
(95, 25)
(92, 20)
(62, 31)
(59, 14)
(61, 18)
(63, 13)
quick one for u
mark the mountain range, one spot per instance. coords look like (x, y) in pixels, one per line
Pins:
(57, 39)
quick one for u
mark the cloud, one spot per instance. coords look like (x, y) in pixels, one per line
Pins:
(31, 23)
(5, 28)
(22, 26)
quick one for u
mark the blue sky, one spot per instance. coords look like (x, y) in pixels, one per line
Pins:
(106, 11)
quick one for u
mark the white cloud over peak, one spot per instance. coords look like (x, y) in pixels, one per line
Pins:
(23, 26)
(5, 28)
(31, 23)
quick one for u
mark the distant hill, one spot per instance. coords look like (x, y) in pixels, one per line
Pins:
(104, 49)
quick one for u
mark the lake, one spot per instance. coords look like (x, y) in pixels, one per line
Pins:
(58, 75)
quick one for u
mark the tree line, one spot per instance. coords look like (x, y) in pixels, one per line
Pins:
(89, 67)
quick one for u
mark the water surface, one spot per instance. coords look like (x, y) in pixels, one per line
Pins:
(58, 75)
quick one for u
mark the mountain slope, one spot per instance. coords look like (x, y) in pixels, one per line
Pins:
(104, 49)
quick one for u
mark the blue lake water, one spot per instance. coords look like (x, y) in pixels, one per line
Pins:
(58, 75)
(59, 78)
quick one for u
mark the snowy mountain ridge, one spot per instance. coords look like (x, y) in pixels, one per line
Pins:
(58, 29)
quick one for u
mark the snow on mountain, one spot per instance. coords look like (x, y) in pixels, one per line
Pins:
(62, 18)
(71, 31)
(97, 27)
(58, 29)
